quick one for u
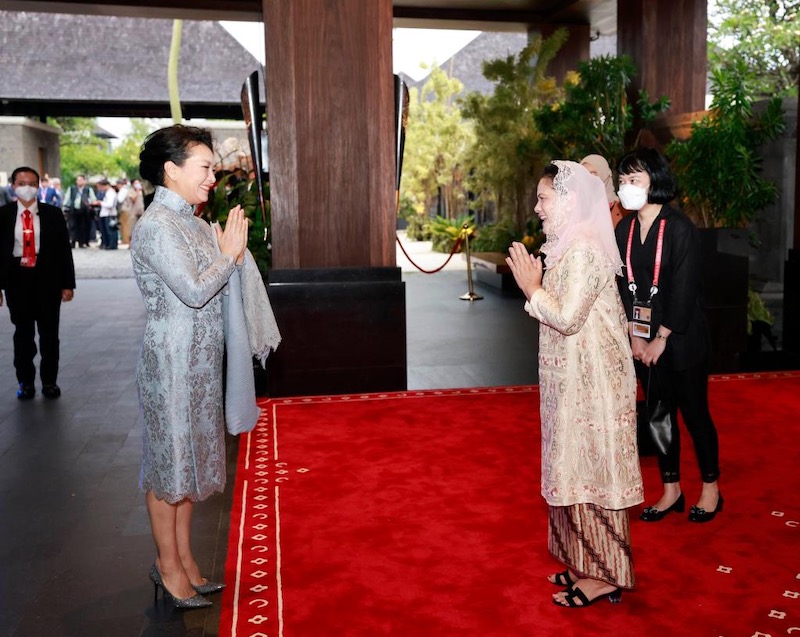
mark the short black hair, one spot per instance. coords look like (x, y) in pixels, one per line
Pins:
(663, 187)
(170, 144)
(24, 169)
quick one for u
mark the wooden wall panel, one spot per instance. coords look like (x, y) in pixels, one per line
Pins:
(330, 106)
(667, 41)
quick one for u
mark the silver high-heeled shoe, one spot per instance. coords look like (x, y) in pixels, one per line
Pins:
(209, 588)
(188, 603)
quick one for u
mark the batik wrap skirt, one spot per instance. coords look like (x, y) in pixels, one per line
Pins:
(593, 542)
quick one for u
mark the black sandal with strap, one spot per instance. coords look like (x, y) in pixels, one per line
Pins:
(615, 597)
(563, 579)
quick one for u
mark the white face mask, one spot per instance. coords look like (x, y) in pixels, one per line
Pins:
(632, 197)
(25, 193)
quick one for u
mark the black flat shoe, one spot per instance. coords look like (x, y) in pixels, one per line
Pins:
(51, 391)
(615, 597)
(562, 579)
(696, 514)
(652, 514)
(26, 392)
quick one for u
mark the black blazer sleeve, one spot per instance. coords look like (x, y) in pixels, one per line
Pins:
(8, 217)
(684, 274)
(55, 249)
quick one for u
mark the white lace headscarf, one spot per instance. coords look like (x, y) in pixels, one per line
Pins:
(580, 212)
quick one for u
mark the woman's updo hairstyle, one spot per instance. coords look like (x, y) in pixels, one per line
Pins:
(550, 171)
(663, 187)
(170, 144)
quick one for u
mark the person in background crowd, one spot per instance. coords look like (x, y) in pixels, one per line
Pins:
(78, 205)
(37, 274)
(126, 220)
(669, 334)
(136, 197)
(180, 272)
(590, 460)
(598, 166)
(56, 183)
(107, 215)
(47, 194)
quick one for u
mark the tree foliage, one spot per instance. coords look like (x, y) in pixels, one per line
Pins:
(719, 166)
(127, 153)
(506, 157)
(437, 139)
(83, 152)
(595, 116)
(765, 35)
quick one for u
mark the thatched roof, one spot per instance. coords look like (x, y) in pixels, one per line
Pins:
(466, 64)
(104, 65)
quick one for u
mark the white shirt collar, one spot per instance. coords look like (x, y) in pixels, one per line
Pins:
(34, 208)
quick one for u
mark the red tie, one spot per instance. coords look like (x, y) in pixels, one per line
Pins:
(28, 241)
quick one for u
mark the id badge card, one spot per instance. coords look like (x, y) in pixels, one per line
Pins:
(642, 314)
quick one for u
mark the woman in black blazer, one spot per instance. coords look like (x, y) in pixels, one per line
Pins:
(669, 334)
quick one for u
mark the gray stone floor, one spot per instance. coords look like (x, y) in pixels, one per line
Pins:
(75, 544)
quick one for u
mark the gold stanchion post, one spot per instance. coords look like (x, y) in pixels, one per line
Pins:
(470, 295)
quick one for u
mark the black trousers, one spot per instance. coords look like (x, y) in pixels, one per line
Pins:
(81, 220)
(32, 304)
(687, 390)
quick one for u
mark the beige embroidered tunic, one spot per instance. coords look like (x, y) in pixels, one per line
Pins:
(587, 385)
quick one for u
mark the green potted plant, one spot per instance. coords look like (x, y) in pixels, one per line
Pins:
(718, 170)
(595, 115)
(445, 232)
(718, 167)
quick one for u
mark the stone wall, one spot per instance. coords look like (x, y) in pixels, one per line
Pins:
(774, 226)
(26, 142)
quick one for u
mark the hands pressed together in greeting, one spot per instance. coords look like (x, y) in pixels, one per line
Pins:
(233, 239)
(526, 268)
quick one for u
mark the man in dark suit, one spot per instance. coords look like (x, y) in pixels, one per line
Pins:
(36, 274)
(48, 194)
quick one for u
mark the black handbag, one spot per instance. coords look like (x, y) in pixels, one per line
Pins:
(659, 417)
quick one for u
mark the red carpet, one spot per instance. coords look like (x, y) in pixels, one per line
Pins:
(418, 514)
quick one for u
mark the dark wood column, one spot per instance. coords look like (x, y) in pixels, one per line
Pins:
(337, 293)
(330, 108)
(667, 41)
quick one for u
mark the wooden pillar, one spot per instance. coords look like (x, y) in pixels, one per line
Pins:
(331, 138)
(667, 41)
(575, 49)
(337, 294)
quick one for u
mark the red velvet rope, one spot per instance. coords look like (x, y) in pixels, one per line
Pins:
(452, 252)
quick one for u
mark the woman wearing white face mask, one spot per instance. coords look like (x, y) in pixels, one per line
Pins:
(660, 249)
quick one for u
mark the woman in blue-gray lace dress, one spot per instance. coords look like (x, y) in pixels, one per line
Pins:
(180, 273)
